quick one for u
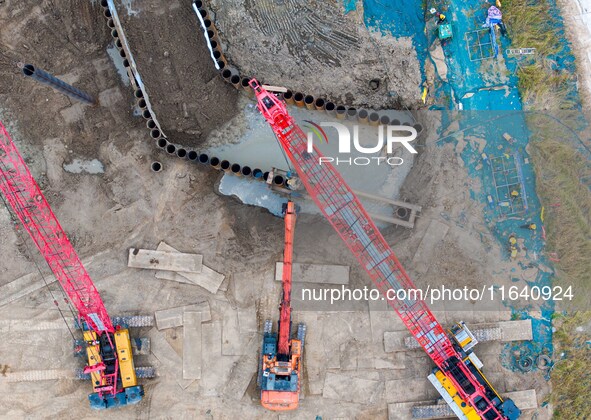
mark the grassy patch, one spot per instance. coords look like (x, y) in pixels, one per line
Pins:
(571, 377)
(541, 83)
(559, 170)
(560, 173)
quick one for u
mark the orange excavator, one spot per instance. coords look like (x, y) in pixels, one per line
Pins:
(279, 373)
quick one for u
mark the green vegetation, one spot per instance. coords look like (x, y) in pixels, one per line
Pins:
(531, 26)
(560, 171)
(571, 377)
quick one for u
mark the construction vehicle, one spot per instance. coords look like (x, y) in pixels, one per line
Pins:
(343, 210)
(108, 347)
(464, 342)
(281, 355)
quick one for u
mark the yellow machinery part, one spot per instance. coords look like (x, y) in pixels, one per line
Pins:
(468, 411)
(93, 355)
(126, 367)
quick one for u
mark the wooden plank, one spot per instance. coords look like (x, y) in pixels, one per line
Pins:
(343, 387)
(516, 330)
(173, 317)
(315, 273)
(243, 371)
(169, 358)
(161, 260)
(208, 278)
(191, 344)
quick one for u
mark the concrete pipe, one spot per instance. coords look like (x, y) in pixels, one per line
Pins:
(138, 93)
(352, 113)
(122, 53)
(203, 158)
(211, 35)
(215, 163)
(162, 143)
(246, 171)
(221, 64)
(330, 108)
(265, 176)
(118, 44)
(151, 124)
(225, 165)
(215, 46)
(236, 170)
(111, 23)
(203, 13)
(114, 33)
(402, 213)
(146, 114)
(319, 104)
(227, 75)
(299, 99)
(107, 13)
(309, 102)
(182, 153)
(198, 4)
(156, 166)
(155, 133)
(384, 120)
(244, 83)
(257, 174)
(217, 55)
(105, 4)
(142, 103)
(363, 116)
(341, 112)
(125, 63)
(171, 149)
(192, 155)
(374, 118)
(288, 97)
(418, 127)
(235, 80)
(278, 180)
(406, 123)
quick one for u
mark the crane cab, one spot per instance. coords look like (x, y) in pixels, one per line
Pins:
(280, 381)
(111, 368)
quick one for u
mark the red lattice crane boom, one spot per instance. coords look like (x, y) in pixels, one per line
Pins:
(346, 214)
(108, 348)
(285, 311)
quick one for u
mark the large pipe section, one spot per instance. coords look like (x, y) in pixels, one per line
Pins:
(47, 79)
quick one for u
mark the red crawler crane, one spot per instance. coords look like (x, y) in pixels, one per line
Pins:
(345, 213)
(108, 349)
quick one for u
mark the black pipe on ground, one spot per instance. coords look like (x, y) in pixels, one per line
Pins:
(42, 76)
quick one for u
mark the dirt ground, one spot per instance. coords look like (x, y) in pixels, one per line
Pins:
(130, 206)
(167, 42)
(314, 48)
(577, 15)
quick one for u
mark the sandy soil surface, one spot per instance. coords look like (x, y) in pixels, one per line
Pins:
(313, 47)
(130, 206)
(577, 14)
